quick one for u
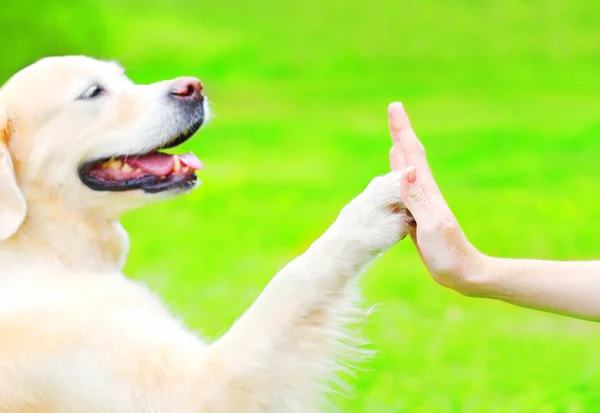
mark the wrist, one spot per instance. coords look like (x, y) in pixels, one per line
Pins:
(481, 277)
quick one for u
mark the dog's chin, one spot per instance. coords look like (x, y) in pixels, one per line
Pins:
(114, 204)
(152, 172)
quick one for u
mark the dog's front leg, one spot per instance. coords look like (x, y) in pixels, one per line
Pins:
(283, 353)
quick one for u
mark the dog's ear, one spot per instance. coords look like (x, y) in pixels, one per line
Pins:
(12, 202)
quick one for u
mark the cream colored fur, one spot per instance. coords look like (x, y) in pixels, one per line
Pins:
(77, 336)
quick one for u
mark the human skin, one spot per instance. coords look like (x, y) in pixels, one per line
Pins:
(565, 287)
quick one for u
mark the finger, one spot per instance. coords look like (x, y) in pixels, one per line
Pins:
(397, 159)
(402, 131)
(415, 199)
(405, 138)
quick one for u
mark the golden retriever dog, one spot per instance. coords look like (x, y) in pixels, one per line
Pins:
(79, 145)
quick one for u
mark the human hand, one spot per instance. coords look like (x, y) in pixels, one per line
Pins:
(450, 258)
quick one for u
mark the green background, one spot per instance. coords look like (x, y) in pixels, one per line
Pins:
(506, 98)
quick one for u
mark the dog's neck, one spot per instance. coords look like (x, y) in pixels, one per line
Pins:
(79, 241)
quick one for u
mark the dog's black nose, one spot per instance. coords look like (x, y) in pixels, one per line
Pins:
(187, 88)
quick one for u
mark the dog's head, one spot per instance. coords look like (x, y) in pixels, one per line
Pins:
(78, 131)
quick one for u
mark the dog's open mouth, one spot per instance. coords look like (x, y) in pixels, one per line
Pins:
(151, 172)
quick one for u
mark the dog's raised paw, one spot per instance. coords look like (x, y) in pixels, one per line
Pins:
(385, 192)
(378, 213)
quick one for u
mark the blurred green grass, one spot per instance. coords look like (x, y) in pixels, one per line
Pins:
(505, 96)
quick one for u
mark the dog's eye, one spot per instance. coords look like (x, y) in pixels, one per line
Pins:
(92, 92)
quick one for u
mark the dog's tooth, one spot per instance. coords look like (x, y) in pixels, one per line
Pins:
(177, 164)
(126, 168)
(138, 170)
(186, 169)
(114, 163)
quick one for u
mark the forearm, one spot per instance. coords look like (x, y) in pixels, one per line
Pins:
(293, 336)
(571, 288)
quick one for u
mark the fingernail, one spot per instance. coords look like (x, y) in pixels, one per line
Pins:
(411, 174)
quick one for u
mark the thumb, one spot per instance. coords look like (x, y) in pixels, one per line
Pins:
(415, 199)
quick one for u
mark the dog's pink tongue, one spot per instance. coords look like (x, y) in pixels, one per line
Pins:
(190, 160)
(158, 163)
